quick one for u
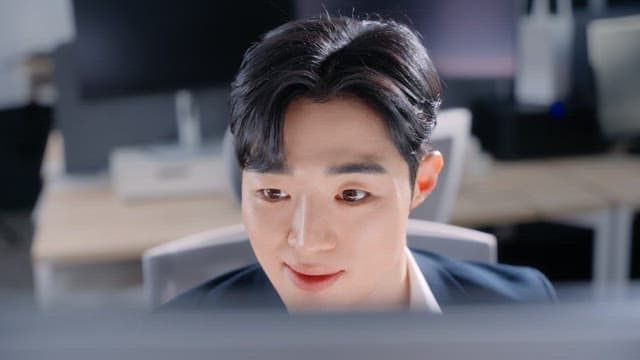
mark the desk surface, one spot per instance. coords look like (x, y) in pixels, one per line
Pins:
(90, 224)
(615, 177)
(539, 189)
(519, 191)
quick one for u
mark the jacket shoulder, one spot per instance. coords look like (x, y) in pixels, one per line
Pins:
(244, 287)
(459, 282)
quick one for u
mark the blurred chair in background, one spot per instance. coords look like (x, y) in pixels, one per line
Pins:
(450, 137)
(174, 267)
(614, 54)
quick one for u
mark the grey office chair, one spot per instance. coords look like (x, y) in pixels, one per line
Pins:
(174, 267)
(450, 138)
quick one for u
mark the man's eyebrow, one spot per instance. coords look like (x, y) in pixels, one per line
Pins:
(368, 167)
(275, 170)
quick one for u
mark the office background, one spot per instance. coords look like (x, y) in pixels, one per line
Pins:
(48, 88)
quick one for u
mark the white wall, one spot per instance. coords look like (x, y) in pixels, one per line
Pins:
(27, 27)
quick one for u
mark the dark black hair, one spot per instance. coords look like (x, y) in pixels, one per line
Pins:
(380, 62)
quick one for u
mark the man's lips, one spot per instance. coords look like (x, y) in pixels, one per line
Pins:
(312, 279)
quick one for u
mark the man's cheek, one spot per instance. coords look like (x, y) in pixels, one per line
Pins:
(267, 228)
(369, 218)
(263, 216)
(262, 227)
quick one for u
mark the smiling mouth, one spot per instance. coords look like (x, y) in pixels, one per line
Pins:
(312, 282)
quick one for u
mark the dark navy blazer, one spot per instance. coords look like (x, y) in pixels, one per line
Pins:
(453, 282)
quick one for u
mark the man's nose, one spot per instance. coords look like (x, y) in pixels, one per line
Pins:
(311, 227)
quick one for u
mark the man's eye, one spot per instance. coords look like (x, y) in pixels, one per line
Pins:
(353, 195)
(272, 194)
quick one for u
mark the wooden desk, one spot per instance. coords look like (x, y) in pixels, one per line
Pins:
(521, 191)
(88, 244)
(91, 225)
(618, 179)
(600, 192)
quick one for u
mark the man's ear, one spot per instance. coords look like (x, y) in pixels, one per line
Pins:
(426, 177)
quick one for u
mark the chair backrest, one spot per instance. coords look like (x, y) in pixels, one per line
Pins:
(450, 138)
(179, 265)
(614, 54)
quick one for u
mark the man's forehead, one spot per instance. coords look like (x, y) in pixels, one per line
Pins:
(335, 122)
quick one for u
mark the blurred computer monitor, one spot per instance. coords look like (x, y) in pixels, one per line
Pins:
(132, 47)
(560, 331)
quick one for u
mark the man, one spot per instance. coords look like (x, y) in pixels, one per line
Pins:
(331, 120)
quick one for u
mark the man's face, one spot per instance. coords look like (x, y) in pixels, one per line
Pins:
(329, 230)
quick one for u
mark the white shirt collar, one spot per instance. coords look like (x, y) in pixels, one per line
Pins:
(420, 296)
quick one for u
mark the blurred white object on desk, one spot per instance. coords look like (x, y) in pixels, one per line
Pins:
(543, 73)
(167, 171)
